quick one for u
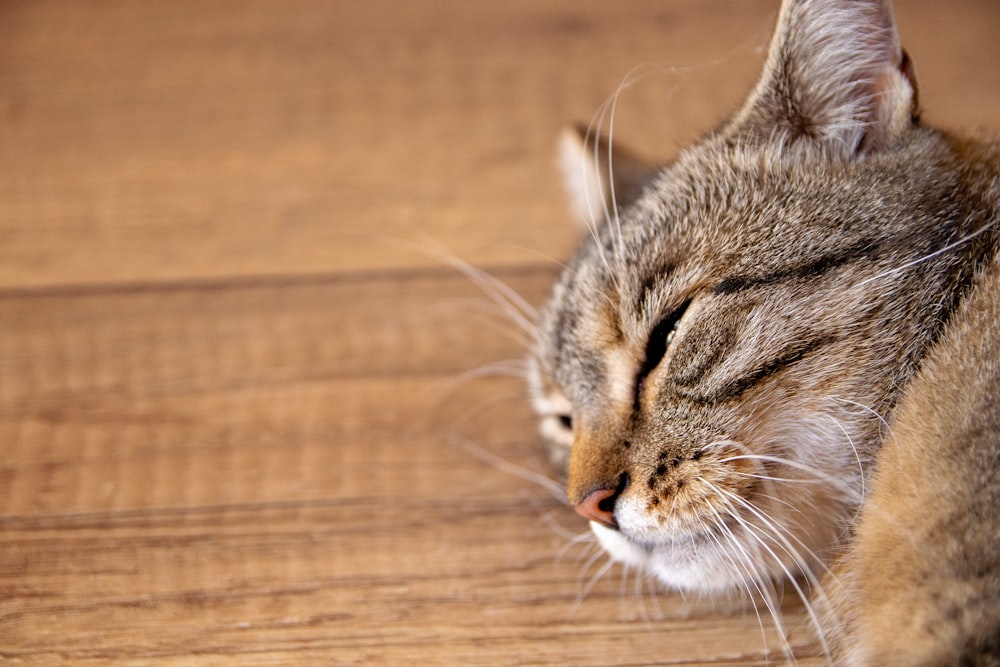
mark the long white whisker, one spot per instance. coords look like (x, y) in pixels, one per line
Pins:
(857, 457)
(751, 530)
(582, 595)
(512, 304)
(898, 269)
(487, 311)
(766, 597)
(770, 478)
(806, 601)
(649, 585)
(829, 479)
(510, 368)
(780, 501)
(592, 137)
(744, 574)
(538, 253)
(450, 385)
(635, 74)
(864, 407)
(735, 444)
(593, 551)
(636, 593)
(568, 535)
(781, 534)
(586, 538)
(627, 81)
(506, 466)
(594, 131)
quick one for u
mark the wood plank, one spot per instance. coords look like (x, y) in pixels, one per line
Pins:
(211, 389)
(238, 418)
(280, 474)
(336, 581)
(189, 140)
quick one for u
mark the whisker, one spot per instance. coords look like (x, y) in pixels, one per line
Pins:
(645, 584)
(591, 553)
(747, 560)
(550, 485)
(744, 573)
(899, 269)
(770, 597)
(846, 489)
(611, 213)
(857, 457)
(752, 531)
(769, 478)
(629, 79)
(636, 594)
(445, 387)
(547, 518)
(583, 590)
(781, 501)
(512, 304)
(882, 420)
(779, 532)
(593, 132)
(591, 220)
(486, 312)
(538, 253)
(586, 538)
(806, 600)
(516, 368)
(727, 443)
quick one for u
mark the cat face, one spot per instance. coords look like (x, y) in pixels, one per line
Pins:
(717, 363)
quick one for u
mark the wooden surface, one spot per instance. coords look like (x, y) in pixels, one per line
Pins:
(237, 423)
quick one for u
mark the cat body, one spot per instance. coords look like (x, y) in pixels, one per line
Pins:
(778, 357)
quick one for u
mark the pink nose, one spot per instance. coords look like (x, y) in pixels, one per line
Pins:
(599, 506)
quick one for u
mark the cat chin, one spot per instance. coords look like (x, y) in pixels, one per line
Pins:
(692, 565)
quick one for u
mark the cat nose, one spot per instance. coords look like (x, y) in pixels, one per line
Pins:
(599, 505)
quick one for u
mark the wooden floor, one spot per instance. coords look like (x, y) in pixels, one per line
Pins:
(240, 419)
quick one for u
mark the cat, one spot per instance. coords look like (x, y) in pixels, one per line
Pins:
(777, 358)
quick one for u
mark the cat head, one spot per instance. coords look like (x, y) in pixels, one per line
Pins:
(718, 361)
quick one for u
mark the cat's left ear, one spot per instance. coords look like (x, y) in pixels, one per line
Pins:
(835, 77)
(599, 177)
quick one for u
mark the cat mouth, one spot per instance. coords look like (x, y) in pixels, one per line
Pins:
(691, 561)
(706, 523)
(668, 539)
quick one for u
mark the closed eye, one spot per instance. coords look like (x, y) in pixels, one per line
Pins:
(656, 348)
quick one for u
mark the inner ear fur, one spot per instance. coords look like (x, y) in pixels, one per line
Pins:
(835, 78)
(599, 176)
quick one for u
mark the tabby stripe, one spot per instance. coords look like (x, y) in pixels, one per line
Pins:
(736, 388)
(810, 269)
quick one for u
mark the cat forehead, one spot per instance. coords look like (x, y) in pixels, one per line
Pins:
(721, 205)
(725, 218)
(705, 211)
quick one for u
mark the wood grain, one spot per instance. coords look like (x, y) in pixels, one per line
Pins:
(241, 420)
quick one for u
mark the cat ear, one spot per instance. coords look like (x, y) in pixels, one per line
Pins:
(594, 184)
(835, 77)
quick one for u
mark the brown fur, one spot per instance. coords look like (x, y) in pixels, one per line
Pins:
(920, 584)
(794, 322)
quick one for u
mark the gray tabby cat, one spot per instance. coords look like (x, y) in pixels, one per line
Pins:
(778, 357)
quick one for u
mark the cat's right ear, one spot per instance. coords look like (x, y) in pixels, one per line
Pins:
(599, 177)
(835, 79)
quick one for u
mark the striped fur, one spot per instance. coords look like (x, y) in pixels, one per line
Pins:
(754, 347)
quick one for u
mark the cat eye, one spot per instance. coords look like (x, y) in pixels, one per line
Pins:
(566, 421)
(656, 346)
